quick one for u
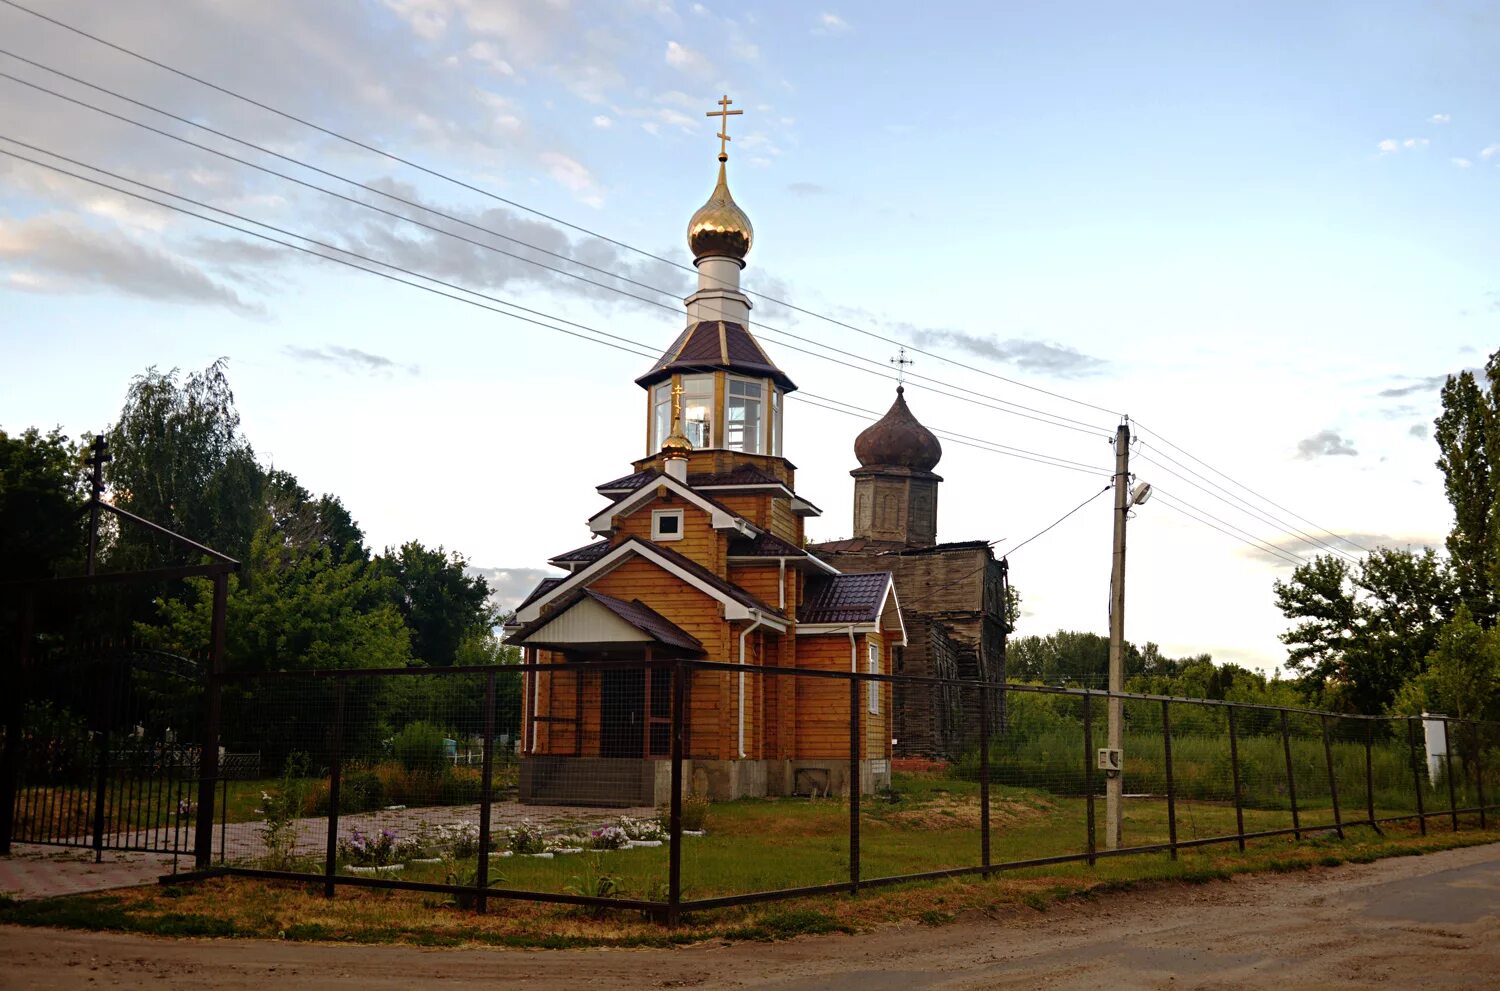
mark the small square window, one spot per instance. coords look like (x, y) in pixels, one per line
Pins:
(666, 524)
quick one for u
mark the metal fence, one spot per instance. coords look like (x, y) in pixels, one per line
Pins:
(588, 783)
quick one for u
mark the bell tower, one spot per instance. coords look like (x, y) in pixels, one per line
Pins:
(895, 489)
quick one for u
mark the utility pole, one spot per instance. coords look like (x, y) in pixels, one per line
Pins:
(97, 460)
(1113, 765)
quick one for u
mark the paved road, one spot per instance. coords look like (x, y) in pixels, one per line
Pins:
(1416, 922)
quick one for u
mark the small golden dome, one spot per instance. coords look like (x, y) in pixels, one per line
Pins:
(720, 227)
(676, 444)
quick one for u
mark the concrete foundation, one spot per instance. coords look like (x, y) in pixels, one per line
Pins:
(621, 782)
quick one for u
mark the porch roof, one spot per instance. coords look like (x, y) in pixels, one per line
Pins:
(600, 619)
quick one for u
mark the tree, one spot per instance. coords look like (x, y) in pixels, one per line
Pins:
(439, 601)
(42, 488)
(1463, 673)
(179, 460)
(1468, 438)
(305, 522)
(1364, 630)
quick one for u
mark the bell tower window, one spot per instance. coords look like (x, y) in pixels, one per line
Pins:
(742, 419)
(697, 410)
(661, 416)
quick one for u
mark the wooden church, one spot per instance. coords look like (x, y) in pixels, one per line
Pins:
(698, 552)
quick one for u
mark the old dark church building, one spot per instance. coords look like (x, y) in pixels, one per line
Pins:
(952, 594)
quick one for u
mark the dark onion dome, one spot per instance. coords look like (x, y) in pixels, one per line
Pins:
(720, 228)
(897, 440)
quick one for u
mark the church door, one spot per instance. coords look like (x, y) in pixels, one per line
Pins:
(622, 714)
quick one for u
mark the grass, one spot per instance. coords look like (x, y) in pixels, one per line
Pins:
(298, 912)
(931, 822)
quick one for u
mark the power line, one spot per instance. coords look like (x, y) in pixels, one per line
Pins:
(373, 149)
(1250, 510)
(1244, 536)
(1361, 548)
(1059, 519)
(879, 371)
(636, 348)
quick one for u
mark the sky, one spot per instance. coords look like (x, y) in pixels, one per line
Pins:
(1263, 232)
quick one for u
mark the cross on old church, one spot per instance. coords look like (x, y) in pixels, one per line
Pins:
(724, 113)
(901, 361)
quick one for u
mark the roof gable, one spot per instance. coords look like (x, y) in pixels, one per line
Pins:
(590, 618)
(720, 516)
(738, 604)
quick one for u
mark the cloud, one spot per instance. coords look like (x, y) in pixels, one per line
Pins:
(59, 254)
(603, 122)
(1462, 163)
(681, 57)
(1422, 430)
(806, 189)
(830, 24)
(1347, 542)
(1439, 118)
(509, 586)
(1490, 152)
(1028, 355)
(348, 359)
(1325, 443)
(1426, 383)
(1391, 146)
(574, 175)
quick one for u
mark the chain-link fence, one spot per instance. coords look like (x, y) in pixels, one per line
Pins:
(679, 785)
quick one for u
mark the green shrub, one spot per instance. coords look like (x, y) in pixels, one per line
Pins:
(420, 748)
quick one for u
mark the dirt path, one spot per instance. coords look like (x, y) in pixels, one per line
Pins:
(1428, 922)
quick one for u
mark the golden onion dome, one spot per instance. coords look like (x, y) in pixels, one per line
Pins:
(720, 227)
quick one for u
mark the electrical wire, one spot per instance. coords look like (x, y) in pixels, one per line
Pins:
(879, 370)
(628, 345)
(1244, 536)
(373, 149)
(1357, 546)
(1059, 519)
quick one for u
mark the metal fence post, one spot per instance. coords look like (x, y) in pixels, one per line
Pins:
(1416, 772)
(208, 754)
(1166, 739)
(984, 777)
(1234, 768)
(1370, 775)
(335, 773)
(10, 766)
(1333, 782)
(1088, 772)
(1448, 772)
(101, 781)
(1291, 777)
(1479, 772)
(487, 782)
(674, 802)
(854, 748)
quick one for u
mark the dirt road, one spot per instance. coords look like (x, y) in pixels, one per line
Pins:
(1429, 922)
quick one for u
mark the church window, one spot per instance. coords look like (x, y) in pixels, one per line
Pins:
(872, 688)
(661, 415)
(774, 448)
(697, 410)
(666, 524)
(742, 422)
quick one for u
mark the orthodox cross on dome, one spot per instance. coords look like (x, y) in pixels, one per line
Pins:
(901, 361)
(724, 113)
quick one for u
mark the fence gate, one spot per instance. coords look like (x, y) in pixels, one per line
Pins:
(108, 749)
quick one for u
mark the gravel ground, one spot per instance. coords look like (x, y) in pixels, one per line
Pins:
(1428, 922)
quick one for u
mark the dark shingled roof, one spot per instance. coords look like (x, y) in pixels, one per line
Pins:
(741, 475)
(587, 553)
(856, 545)
(628, 483)
(716, 344)
(635, 612)
(764, 545)
(543, 587)
(844, 598)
